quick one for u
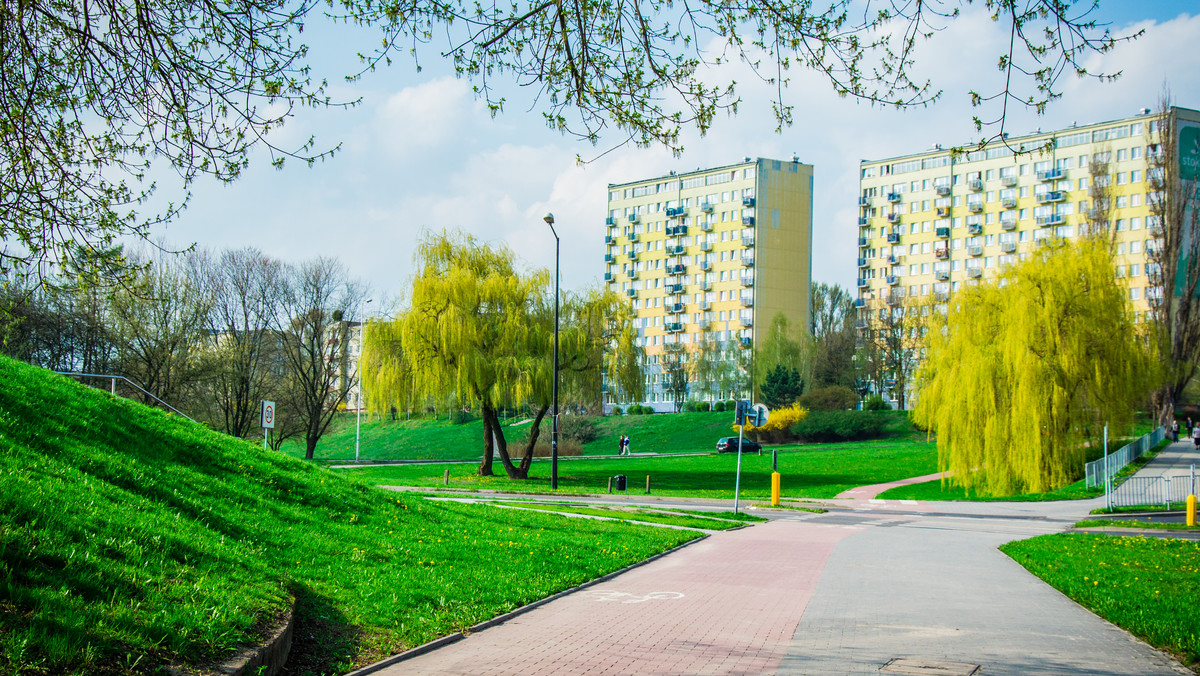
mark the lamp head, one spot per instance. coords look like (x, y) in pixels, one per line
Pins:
(549, 218)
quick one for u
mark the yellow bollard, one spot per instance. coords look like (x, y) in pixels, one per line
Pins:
(774, 489)
(1191, 510)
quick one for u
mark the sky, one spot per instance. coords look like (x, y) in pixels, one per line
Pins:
(420, 153)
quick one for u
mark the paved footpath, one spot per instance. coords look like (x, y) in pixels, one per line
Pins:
(872, 587)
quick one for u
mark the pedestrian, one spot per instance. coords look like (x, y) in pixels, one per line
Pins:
(621, 445)
(1190, 425)
(1196, 436)
(1175, 430)
(626, 444)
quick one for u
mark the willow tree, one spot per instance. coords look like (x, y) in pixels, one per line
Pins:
(1020, 373)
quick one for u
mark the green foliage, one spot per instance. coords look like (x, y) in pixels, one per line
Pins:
(703, 406)
(616, 410)
(461, 417)
(719, 407)
(784, 345)
(875, 402)
(779, 424)
(832, 398)
(131, 534)
(781, 387)
(577, 428)
(832, 426)
(1021, 372)
(1147, 586)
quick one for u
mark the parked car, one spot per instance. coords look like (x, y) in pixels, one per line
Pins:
(730, 445)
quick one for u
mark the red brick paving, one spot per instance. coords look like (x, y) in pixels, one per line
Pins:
(728, 605)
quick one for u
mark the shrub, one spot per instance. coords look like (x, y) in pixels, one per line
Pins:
(875, 402)
(779, 424)
(566, 447)
(689, 406)
(702, 406)
(719, 407)
(577, 428)
(616, 410)
(841, 426)
(833, 398)
(460, 417)
(731, 405)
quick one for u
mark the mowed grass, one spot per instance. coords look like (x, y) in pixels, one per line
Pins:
(630, 514)
(131, 539)
(806, 472)
(1148, 586)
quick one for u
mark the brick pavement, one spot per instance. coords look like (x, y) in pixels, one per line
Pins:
(727, 605)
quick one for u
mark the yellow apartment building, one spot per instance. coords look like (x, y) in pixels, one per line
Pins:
(716, 252)
(934, 221)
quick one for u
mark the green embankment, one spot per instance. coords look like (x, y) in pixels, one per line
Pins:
(131, 539)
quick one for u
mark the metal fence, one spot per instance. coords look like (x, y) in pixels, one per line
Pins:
(1138, 491)
(1095, 471)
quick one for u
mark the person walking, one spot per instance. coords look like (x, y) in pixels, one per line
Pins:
(621, 445)
(1190, 426)
(626, 444)
(1196, 436)
(1175, 430)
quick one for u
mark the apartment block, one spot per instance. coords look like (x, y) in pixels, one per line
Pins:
(710, 255)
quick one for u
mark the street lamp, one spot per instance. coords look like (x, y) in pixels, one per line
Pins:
(362, 334)
(549, 218)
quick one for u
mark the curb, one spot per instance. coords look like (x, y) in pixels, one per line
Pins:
(500, 619)
(263, 660)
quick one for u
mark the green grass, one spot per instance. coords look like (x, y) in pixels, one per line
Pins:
(1119, 523)
(131, 539)
(627, 514)
(808, 472)
(1147, 586)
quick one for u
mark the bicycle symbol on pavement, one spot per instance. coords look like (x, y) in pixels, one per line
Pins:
(626, 597)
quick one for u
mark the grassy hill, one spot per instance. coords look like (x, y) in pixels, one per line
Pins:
(131, 539)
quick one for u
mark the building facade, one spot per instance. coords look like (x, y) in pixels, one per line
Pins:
(931, 222)
(708, 258)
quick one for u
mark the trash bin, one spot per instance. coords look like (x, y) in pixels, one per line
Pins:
(619, 482)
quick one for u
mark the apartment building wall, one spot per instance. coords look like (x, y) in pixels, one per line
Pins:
(719, 250)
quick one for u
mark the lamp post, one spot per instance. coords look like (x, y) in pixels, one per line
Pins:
(549, 218)
(362, 333)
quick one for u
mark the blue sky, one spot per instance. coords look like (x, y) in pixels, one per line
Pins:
(420, 152)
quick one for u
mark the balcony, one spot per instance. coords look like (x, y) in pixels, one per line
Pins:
(747, 280)
(671, 289)
(634, 218)
(942, 296)
(860, 302)
(704, 324)
(609, 277)
(747, 322)
(747, 301)
(943, 232)
(975, 229)
(895, 299)
(1051, 175)
(632, 255)
(893, 238)
(864, 241)
(975, 272)
(893, 197)
(860, 324)
(746, 342)
(748, 261)
(893, 217)
(706, 246)
(748, 221)
(706, 226)
(1008, 223)
(863, 283)
(1009, 202)
(942, 190)
(707, 208)
(943, 211)
(706, 286)
(747, 202)
(675, 212)
(941, 253)
(705, 305)
(705, 265)
(747, 241)
(894, 259)
(632, 293)
(676, 231)
(975, 207)
(862, 220)
(1008, 247)
(1052, 196)
(609, 239)
(1008, 180)
(677, 269)
(864, 201)
(634, 237)
(975, 184)
(676, 250)
(631, 273)
(675, 308)
(1052, 219)
(975, 250)
(893, 280)
(941, 275)
(673, 327)
(864, 263)
(610, 221)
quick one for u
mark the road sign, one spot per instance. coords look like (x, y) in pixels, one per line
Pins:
(757, 416)
(740, 412)
(268, 414)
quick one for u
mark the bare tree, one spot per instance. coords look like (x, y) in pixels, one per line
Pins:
(312, 331)
(1174, 258)
(1100, 182)
(831, 325)
(895, 331)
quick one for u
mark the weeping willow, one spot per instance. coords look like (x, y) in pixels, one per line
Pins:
(1019, 374)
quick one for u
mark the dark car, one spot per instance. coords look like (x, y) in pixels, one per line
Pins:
(730, 445)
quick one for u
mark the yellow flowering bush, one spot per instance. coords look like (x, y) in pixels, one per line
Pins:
(779, 424)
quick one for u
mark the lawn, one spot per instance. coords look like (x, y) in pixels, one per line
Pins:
(807, 472)
(664, 517)
(131, 539)
(1148, 586)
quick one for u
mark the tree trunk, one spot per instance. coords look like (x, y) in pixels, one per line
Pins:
(489, 413)
(534, 432)
(485, 465)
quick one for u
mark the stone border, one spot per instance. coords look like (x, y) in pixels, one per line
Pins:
(263, 660)
(500, 619)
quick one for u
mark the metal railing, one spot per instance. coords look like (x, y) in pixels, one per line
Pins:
(113, 387)
(1139, 491)
(1095, 471)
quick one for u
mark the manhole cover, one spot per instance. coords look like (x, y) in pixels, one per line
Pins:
(905, 665)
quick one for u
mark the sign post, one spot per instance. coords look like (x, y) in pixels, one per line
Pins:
(268, 420)
(755, 415)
